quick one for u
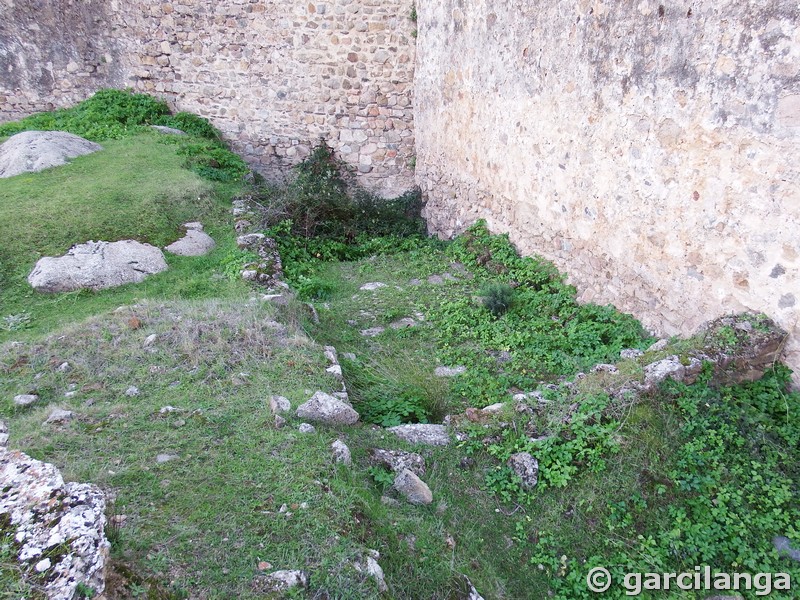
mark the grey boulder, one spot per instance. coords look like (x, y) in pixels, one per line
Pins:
(324, 408)
(413, 488)
(96, 266)
(420, 433)
(196, 242)
(32, 151)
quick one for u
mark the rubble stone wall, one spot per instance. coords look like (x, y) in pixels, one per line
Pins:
(274, 76)
(648, 148)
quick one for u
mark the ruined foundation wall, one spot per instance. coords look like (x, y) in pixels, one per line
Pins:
(274, 76)
(650, 150)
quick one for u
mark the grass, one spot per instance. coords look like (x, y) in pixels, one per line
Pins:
(136, 188)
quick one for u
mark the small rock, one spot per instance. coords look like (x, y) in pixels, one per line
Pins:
(327, 409)
(251, 241)
(604, 368)
(132, 391)
(70, 394)
(415, 282)
(281, 581)
(167, 130)
(526, 467)
(25, 399)
(306, 428)
(167, 409)
(63, 367)
(403, 323)
(375, 285)
(493, 409)
(630, 353)
(398, 461)
(164, 458)
(784, 547)
(179, 423)
(658, 371)
(341, 453)
(42, 565)
(59, 415)
(413, 488)
(349, 356)
(150, 340)
(372, 331)
(420, 433)
(435, 280)
(279, 404)
(335, 370)
(369, 566)
(472, 593)
(450, 371)
(658, 346)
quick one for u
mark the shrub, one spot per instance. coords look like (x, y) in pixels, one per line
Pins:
(497, 297)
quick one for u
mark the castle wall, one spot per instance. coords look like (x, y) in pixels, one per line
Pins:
(274, 76)
(650, 150)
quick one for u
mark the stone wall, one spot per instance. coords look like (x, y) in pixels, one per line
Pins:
(274, 76)
(650, 150)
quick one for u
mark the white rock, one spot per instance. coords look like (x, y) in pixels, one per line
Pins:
(42, 565)
(279, 404)
(59, 415)
(281, 581)
(132, 391)
(45, 512)
(658, 346)
(429, 435)
(341, 453)
(306, 428)
(374, 285)
(369, 566)
(165, 458)
(25, 399)
(526, 468)
(32, 151)
(660, 370)
(327, 409)
(150, 340)
(450, 371)
(194, 243)
(372, 331)
(97, 266)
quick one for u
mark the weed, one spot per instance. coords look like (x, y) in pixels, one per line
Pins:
(497, 297)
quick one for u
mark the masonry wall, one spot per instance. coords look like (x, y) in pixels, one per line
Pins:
(273, 75)
(649, 148)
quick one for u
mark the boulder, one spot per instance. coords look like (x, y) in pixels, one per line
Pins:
(413, 488)
(196, 242)
(45, 513)
(32, 151)
(428, 435)
(96, 266)
(327, 409)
